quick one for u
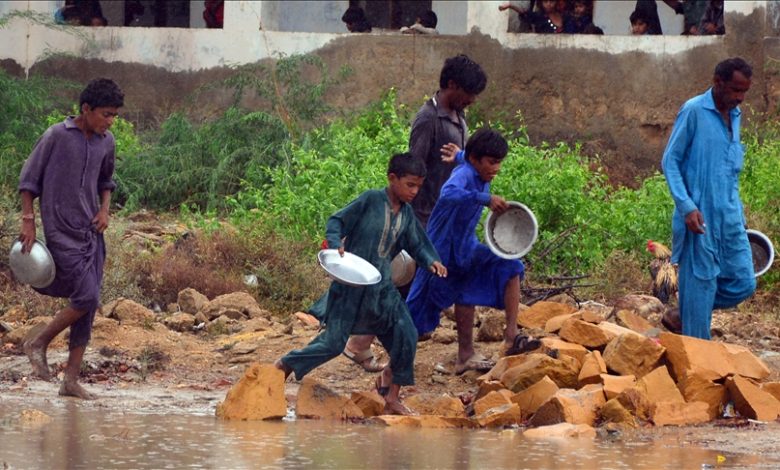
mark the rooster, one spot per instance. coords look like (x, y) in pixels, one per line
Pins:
(663, 272)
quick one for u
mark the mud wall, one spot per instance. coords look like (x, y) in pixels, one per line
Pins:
(619, 102)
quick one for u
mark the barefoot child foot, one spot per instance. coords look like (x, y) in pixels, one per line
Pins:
(37, 357)
(71, 388)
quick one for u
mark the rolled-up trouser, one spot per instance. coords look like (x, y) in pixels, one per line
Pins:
(698, 297)
(400, 342)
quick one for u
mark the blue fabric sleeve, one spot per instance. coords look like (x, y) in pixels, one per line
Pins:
(455, 191)
(674, 159)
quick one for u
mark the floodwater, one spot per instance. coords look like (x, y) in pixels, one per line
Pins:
(81, 435)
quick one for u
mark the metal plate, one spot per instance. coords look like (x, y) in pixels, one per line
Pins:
(402, 269)
(35, 268)
(512, 234)
(349, 269)
(763, 251)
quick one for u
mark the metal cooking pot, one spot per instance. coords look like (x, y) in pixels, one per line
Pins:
(402, 269)
(35, 268)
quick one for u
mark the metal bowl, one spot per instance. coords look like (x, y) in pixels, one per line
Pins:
(511, 234)
(763, 251)
(349, 269)
(35, 268)
(402, 269)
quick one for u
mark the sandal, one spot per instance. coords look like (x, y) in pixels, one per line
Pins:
(476, 362)
(522, 344)
(364, 359)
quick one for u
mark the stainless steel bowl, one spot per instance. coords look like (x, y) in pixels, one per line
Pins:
(763, 251)
(349, 269)
(35, 268)
(511, 234)
(402, 269)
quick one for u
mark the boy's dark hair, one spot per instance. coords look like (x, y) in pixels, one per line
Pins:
(428, 19)
(725, 70)
(639, 15)
(403, 164)
(353, 15)
(486, 143)
(466, 73)
(102, 92)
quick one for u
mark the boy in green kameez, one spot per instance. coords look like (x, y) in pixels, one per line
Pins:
(376, 226)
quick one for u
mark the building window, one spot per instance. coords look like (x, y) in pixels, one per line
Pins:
(391, 14)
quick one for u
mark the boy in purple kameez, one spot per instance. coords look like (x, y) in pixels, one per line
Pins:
(70, 170)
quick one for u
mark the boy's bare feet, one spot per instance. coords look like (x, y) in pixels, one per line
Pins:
(398, 408)
(71, 388)
(37, 357)
(283, 367)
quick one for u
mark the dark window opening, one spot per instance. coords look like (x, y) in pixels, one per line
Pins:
(392, 14)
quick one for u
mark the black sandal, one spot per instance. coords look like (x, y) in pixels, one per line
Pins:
(522, 344)
(379, 388)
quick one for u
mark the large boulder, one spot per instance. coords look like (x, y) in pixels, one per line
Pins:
(632, 354)
(535, 396)
(191, 301)
(128, 312)
(570, 406)
(709, 359)
(437, 405)
(240, 302)
(752, 402)
(536, 315)
(320, 402)
(180, 322)
(258, 395)
(561, 431)
(584, 333)
(562, 371)
(642, 305)
(492, 327)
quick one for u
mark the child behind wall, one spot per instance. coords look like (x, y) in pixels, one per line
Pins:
(425, 24)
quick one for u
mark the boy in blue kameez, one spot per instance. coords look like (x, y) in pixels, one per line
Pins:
(476, 276)
(376, 226)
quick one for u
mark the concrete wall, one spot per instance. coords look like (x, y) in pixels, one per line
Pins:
(618, 95)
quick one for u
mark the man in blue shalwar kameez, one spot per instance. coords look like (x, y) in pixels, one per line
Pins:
(376, 226)
(70, 170)
(702, 163)
(475, 275)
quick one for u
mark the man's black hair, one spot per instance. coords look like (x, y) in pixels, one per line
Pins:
(428, 19)
(725, 70)
(639, 15)
(466, 73)
(102, 93)
(486, 143)
(353, 15)
(403, 164)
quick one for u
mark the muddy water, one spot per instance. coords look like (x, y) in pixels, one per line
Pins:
(84, 436)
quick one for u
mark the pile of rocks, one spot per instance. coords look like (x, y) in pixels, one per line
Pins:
(596, 367)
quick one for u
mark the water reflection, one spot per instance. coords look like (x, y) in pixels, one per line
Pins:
(81, 436)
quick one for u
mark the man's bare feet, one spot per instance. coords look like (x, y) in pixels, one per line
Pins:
(71, 388)
(37, 357)
(283, 367)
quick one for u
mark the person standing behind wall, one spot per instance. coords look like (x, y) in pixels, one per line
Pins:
(701, 164)
(441, 121)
